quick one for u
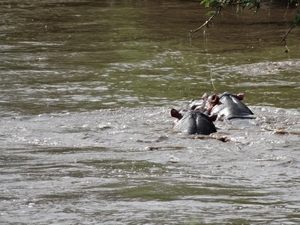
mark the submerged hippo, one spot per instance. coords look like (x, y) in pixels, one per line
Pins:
(193, 122)
(229, 106)
(224, 106)
(199, 114)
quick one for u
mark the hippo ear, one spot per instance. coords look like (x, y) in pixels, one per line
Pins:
(176, 114)
(213, 117)
(214, 99)
(240, 96)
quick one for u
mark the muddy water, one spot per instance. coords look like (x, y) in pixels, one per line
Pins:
(86, 136)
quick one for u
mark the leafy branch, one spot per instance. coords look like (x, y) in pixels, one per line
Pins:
(218, 5)
(205, 24)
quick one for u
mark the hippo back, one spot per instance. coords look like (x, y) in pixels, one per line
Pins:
(195, 122)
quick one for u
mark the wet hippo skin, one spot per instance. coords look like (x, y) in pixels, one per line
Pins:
(193, 122)
(229, 106)
(224, 106)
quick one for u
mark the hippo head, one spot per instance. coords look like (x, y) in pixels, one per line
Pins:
(229, 106)
(193, 122)
(200, 105)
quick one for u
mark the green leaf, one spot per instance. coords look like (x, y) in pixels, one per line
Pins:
(297, 19)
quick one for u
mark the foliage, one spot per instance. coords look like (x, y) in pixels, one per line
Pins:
(253, 4)
(218, 5)
(297, 19)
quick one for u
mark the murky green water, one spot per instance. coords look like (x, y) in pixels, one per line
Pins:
(86, 55)
(86, 136)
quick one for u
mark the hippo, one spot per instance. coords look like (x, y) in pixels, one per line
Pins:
(229, 106)
(193, 122)
(224, 106)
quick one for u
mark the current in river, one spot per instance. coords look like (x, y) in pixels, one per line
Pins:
(86, 89)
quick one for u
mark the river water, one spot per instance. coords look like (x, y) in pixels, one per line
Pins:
(86, 135)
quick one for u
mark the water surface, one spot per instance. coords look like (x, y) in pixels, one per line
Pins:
(86, 90)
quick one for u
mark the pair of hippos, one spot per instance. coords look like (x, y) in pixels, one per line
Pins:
(199, 115)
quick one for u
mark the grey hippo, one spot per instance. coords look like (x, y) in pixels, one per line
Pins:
(199, 115)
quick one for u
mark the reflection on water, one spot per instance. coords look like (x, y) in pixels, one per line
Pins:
(86, 89)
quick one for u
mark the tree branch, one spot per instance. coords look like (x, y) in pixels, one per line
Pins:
(287, 33)
(295, 23)
(210, 19)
